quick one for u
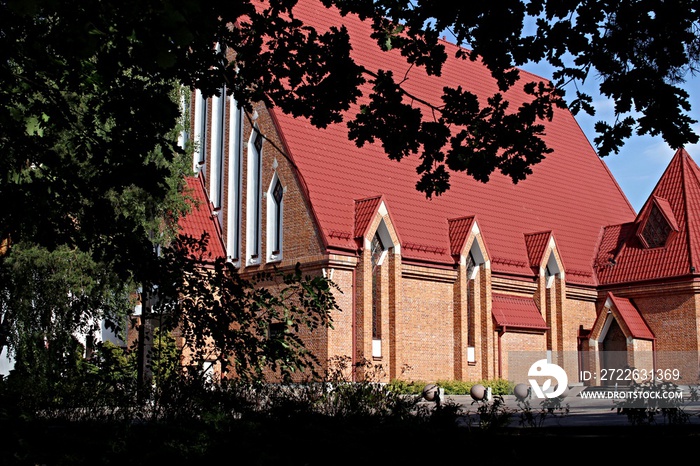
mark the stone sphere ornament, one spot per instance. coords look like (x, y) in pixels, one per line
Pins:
(478, 392)
(430, 392)
(521, 391)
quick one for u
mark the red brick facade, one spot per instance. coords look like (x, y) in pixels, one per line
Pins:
(430, 315)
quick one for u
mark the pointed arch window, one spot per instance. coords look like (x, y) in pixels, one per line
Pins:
(254, 195)
(201, 134)
(378, 252)
(275, 218)
(235, 183)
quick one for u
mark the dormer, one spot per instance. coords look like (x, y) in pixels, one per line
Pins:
(544, 256)
(657, 224)
(467, 244)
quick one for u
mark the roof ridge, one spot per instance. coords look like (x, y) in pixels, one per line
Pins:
(677, 158)
(688, 164)
(299, 175)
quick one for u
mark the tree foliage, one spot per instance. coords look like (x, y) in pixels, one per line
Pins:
(90, 112)
(86, 114)
(641, 52)
(88, 119)
(250, 328)
(49, 298)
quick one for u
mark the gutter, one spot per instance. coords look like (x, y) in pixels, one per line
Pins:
(501, 332)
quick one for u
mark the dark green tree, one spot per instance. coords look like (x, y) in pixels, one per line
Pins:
(86, 111)
(250, 328)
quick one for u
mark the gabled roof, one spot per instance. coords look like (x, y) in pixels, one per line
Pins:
(200, 220)
(365, 210)
(633, 324)
(517, 312)
(571, 192)
(623, 256)
(537, 244)
(459, 229)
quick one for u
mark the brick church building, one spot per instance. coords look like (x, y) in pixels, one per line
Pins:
(558, 266)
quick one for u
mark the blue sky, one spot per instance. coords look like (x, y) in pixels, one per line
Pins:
(641, 162)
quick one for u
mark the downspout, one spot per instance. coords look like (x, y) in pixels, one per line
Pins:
(354, 323)
(500, 354)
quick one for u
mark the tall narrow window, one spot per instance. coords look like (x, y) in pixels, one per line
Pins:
(222, 132)
(204, 124)
(201, 135)
(377, 256)
(275, 206)
(277, 196)
(235, 181)
(253, 239)
(218, 133)
(475, 260)
(471, 266)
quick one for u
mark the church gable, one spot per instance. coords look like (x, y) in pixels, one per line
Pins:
(467, 243)
(627, 316)
(373, 222)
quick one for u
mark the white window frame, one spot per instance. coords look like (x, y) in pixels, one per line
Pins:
(218, 120)
(235, 184)
(254, 200)
(200, 132)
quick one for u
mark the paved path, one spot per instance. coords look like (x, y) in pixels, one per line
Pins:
(581, 412)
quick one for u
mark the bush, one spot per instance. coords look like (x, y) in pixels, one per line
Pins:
(404, 387)
(451, 387)
(459, 387)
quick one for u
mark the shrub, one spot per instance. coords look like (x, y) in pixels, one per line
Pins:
(403, 387)
(451, 387)
(459, 387)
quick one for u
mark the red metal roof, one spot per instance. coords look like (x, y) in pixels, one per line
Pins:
(536, 244)
(571, 192)
(200, 220)
(677, 194)
(365, 210)
(628, 313)
(459, 232)
(517, 312)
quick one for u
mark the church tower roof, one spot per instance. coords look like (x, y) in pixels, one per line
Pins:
(664, 239)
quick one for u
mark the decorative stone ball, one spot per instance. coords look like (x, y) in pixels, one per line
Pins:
(521, 391)
(478, 392)
(430, 392)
